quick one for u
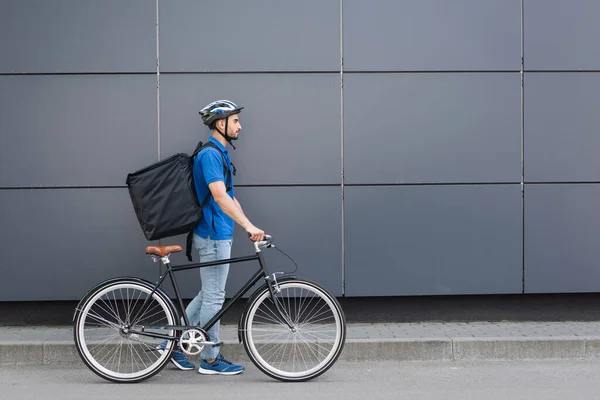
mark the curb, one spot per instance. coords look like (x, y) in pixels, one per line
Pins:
(14, 353)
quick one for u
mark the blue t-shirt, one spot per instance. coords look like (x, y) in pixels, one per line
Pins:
(208, 168)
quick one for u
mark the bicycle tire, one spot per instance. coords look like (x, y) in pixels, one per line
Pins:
(103, 344)
(319, 337)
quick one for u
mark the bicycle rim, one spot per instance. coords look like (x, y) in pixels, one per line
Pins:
(305, 351)
(107, 347)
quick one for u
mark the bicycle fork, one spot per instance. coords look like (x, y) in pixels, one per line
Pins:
(273, 287)
(274, 290)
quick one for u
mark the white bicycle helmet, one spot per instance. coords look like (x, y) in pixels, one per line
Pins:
(217, 110)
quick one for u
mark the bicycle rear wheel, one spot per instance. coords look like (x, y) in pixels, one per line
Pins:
(103, 337)
(313, 344)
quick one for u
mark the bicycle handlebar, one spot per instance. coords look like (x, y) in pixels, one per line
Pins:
(268, 239)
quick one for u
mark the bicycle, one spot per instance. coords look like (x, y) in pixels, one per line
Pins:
(291, 329)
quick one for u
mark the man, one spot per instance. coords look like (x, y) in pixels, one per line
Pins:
(214, 234)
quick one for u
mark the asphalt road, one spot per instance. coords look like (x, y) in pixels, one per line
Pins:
(374, 380)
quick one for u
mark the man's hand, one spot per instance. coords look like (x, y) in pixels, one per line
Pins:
(256, 235)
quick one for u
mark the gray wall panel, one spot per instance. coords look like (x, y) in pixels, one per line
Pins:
(562, 227)
(432, 35)
(431, 240)
(77, 36)
(432, 128)
(432, 121)
(290, 123)
(308, 231)
(561, 34)
(258, 35)
(63, 242)
(561, 127)
(75, 130)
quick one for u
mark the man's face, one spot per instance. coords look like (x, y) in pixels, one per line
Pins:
(233, 126)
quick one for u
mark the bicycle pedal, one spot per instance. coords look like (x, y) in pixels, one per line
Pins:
(211, 343)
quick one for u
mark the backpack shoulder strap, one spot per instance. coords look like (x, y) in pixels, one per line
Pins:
(226, 171)
(199, 147)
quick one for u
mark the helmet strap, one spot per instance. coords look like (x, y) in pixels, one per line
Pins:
(225, 134)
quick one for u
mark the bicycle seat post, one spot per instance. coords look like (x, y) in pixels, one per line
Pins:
(167, 263)
(164, 259)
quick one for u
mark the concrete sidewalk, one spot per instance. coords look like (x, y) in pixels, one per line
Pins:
(54, 345)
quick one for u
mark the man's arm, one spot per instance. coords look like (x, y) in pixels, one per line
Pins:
(238, 205)
(232, 208)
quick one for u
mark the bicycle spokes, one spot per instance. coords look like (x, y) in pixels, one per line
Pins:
(108, 332)
(306, 348)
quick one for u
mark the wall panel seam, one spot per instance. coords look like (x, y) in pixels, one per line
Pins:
(343, 227)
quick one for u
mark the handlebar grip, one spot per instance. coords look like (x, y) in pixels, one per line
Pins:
(267, 237)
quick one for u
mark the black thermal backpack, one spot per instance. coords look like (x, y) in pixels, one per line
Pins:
(164, 196)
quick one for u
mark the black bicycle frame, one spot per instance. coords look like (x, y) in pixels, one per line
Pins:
(170, 271)
(251, 282)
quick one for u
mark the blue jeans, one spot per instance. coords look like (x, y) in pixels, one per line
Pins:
(211, 296)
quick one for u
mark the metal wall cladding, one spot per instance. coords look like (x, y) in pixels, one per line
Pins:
(260, 35)
(305, 224)
(432, 35)
(433, 240)
(59, 130)
(290, 123)
(382, 142)
(561, 127)
(405, 128)
(63, 242)
(77, 36)
(560, 35)
(562, 226)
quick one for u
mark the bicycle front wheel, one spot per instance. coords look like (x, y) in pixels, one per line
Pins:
(103, 331)
(307, 349)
